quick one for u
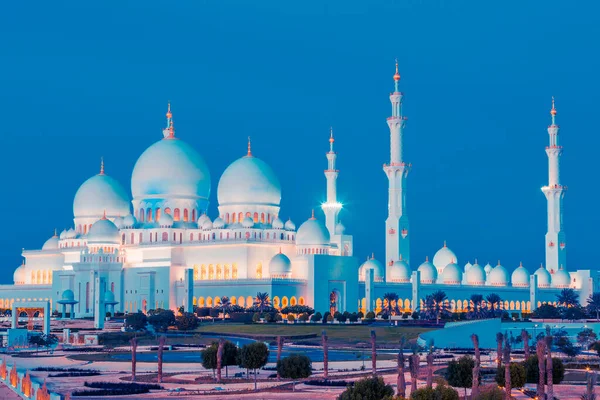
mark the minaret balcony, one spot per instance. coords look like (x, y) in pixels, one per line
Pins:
(396, 164)
(554, 147)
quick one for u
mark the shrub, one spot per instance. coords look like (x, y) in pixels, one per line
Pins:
(297, 309)
(353, 317)
(136, 321)
(295, 366)
(441, 392)
(161, 320)
(370, 315)
(517, 375)
(342, 317)
(415, 315)
(291, 317)
(546, 311)
(186, 322)
(278, 318)
(328, 383)
(368, 389)
(256, 317)
(337, 315)
(330, 318)
(303, 317)
(214, 312)
(326, 317)
(115, 389)
(202, 311)
(243, 317)
(532, 371)
(360, 314)
(490, 392)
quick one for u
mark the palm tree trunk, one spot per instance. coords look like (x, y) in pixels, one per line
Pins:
(499, 351)
(279, 348)
(161, 348)
(507, 383)
(255, 379)
(220, 358)
(429, 369)
(549, 383)
(325, 355)
(401, 383)
(525, 337)
(133, 357)
(475, 387)
(373, 352)
(414, 373)
(541, 353)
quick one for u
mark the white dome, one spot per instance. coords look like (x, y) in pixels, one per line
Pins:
(520, 277)
(280, 266)
(129, 221)
(277, 223)
(218, 223)
(467, 266)
(443, 257)
(99, 195)
(488, 268)
(71, 234)
(165, 220)
(452, 275)
(543, 277)
(207, 224)
(249, 181)
(399, 272)
(373, 264)
(103, 231)
(561, 278)
(340, 228)
(428, 272)
(118, 221)
(248, 222)
(476, 275)
(498, 276)
(51, 244)
(20, 275)
(63, 234)
(290, 226)
(312, 233)
(170, 168)
(202, 219)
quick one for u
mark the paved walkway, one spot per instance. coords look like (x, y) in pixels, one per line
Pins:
(6, 393)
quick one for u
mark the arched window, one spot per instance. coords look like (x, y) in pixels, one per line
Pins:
(33, 280)
(141, 237)
(203, 272)
(174, 236)
(165, 236)
(141, 215)
(249, 301)
(240, 217)
(123, 239)
(157, 214)
(176, 215)
(180, 237)
(276, 302)
(200, 301)
(301, 301)
(168, 211)
(112, 287)
(226, 274)
(255, 217)
(87, 297)
(84, 229)
(234, 272)
(39, 277)
(227, 218)
(194, 215)
(191, 237)
(284, 302)
(241, 301)
(211, 272)
(233, 218)
(219, 272)
(259, 271)
(262, 218)
(233, 300)
(132, 238)
(186, 216)
(209, 302)
(149, 215)
(293, 301)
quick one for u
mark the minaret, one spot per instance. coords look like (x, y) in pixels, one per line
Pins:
(331, 207)
(396, 226)
(556, 254)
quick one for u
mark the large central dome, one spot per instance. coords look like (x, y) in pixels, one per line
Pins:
(170, 168)
(249, 181)
(100, 195)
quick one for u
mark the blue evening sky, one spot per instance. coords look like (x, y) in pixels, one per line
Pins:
(81, 80)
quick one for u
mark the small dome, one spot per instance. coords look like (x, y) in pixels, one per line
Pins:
(277, 223)
(543, 277)
(20, 275)
(165, 221)
(443, 257)
(561, 278)
(520, 277)
(373, 264)
(103, 231)
(476, 275)
(100, 195)
(467, 266)
(488, 268)
(249, 180)
(428, 272)
(452, 275)
(280, 266)
(207, 224)
(399, 272)
(68, 295)
(202, 219)
(109, 297)
(118, 221)
(129, 221)
(290, 226)
(63, 234)
(219, 223)
(248, 222)
(340, 228)
(498, 276)
(71, 234)
(51, 244)
(312, 233)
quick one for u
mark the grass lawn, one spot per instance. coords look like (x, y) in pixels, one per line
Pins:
(339, 335)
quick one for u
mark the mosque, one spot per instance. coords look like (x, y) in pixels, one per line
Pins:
(160, 248)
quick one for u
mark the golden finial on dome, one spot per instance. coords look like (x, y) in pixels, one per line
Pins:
(498, 262)
(373, 256)
(445, 244)
(169, 114)
(104, 215)
(55, 235)
(331, 139)
(426, 258)
(313, 214)
(101, 165)
(396, 75)
(553, 110)
(249, 147)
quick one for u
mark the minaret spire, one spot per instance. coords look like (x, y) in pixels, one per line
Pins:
(249, 147)
(101, 165)
(331, 208)
(555, 237)
(396, 225)
(169, 131)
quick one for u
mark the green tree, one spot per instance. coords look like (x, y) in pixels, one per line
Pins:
(161, 319)
(441, 392)
(295, 366)
(532, 371)
(186, 322)
(230, 356)
(460, 373)
(209, 358)
(593, 304)
(373, 388)
(136, 321)
(254, 356)
(441, 307)
(568, 298)
(493, 301)
(490, 392)
(586, 337)
(546, 311)
(517, 375)
(262, 301)
(388, 299)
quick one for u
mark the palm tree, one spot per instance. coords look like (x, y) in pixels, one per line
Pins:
(161, 346)
(133, 357)
(262, 301)
(493, 299)
(279, 349)
(568, 298)
(220, 358)
(225, 304)
(549, 383)
(441, 308)
(476, 299)
(414, 369)
(374, 352)
(430, 365)
(593, 305)
(499, 339)
(507, 385)
(525, 338)
(391, 298)
(428, 307)
(475, 385)
(541, 353)
(325, 355)
(400, 382)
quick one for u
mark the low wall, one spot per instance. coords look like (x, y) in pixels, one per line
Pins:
(23, 385)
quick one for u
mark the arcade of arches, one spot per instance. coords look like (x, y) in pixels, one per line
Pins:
(277, 302)
(455, 305)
